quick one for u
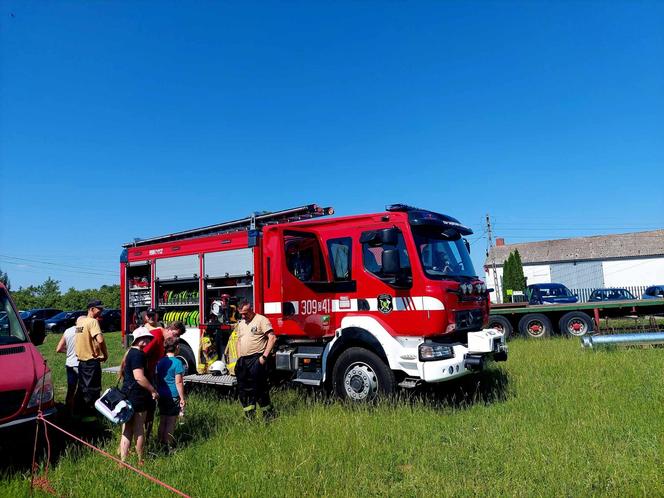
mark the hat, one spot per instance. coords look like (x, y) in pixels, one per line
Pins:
(96, 303)
(139, 334)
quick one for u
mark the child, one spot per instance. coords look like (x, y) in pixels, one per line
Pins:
(170, 386)
(139, 392)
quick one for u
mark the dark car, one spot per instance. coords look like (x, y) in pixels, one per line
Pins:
(610, 295)
(550, 294)
(62, 321)
(109, 320)
(37, 314)
(654, 292)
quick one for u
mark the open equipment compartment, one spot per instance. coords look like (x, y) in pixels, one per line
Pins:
(139, 295)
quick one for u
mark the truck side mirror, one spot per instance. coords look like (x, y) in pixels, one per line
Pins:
(38, 332)
(389, 236)
(391, 264)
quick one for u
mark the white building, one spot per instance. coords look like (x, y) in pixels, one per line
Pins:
(623, 260)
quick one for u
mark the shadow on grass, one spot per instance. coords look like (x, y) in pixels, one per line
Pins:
(17, 444)
(486, 387)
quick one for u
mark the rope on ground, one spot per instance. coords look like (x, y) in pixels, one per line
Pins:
(43, 482)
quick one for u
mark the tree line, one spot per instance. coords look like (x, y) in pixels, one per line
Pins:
(49, 295)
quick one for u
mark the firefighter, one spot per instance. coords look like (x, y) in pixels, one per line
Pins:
(255, 341)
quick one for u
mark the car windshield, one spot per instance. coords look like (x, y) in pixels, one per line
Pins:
(61, 316)
(11, 331)
(26, 314)
(442, 254)
(557, 291)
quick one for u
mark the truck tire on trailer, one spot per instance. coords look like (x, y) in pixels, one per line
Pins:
(501, 323)
(535, 325)
(359, 375)
(187, 356)
(575, 324)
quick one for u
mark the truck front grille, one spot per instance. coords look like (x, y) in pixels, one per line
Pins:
(10, 402)
(470, 320)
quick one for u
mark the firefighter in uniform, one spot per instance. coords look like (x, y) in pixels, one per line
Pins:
(254, 344)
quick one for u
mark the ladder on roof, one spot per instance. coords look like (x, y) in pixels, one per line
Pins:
(253, 222)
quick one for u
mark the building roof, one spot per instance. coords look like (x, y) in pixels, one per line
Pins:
(599, 247)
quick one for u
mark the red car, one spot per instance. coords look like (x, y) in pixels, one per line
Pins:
(25, 383)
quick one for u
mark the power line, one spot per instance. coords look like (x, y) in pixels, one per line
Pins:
(63, 267)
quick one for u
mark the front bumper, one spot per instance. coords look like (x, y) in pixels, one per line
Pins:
(27, 418)
(488, 344)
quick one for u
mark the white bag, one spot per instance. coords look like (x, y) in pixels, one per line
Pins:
(115, 406)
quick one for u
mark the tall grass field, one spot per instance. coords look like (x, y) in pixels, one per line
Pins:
(554, 420)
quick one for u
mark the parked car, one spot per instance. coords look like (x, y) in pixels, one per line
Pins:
(37, 314)
(610, 295)
(654, 292)
(62, 321)
(550, 294)
(109, 321)
(25, 383)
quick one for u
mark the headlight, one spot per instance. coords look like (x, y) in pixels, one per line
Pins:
(431, 351)
(43, 390)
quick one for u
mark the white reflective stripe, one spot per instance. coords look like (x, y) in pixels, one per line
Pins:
(427, 303)
(272, 308)
(373, 303)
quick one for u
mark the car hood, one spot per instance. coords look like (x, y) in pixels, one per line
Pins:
(20, 365)
(559, 299)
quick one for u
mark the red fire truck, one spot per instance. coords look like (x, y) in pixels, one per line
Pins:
(360, 304)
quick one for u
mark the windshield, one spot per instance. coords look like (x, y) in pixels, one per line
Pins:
(11, 331)
(443, 255)
(61, 316)
(555, 291)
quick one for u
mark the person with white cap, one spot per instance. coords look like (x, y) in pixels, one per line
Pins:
(139, 391)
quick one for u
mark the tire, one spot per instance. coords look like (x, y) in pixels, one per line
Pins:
(360, 376)
(535, 325)
(187, 356)
(575, 324)
(502, 324)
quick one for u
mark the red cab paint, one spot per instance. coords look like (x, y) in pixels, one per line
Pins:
(25, 383)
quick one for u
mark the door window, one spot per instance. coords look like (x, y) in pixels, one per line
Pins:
(340, 258)
(304, 258)
(372, 256)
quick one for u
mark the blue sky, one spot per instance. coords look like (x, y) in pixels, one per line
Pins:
(132, 119)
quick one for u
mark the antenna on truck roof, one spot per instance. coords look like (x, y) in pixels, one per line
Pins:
(253, 222)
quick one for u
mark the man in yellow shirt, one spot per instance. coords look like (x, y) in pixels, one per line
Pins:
(254, 344)
(91, 352)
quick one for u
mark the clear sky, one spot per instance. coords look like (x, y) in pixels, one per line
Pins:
(134, 118)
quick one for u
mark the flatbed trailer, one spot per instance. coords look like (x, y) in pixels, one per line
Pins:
(576, 319)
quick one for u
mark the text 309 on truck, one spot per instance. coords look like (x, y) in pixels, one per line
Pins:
(360, 304)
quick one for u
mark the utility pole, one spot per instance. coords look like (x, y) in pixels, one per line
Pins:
(498, 291)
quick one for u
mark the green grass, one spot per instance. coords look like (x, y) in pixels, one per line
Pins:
(553, 420)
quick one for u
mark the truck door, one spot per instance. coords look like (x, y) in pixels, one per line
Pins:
(307, 303)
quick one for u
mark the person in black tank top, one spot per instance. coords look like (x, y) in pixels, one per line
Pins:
(140, 393)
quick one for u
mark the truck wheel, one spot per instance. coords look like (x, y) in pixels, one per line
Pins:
(187, 356)
(502, 324)
(360, 376)
(575, 324)
(535, 325)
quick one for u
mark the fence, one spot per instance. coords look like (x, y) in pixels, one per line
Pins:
(636, 290)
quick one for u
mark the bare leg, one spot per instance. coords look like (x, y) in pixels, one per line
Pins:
(139, 434)
(125, 440)
(162, 434)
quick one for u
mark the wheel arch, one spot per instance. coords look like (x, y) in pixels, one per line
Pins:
(347, 338)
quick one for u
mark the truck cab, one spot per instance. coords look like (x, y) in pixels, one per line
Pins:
(25, 384)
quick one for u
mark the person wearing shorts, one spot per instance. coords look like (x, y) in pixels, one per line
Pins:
(139, 392)
(169, 378)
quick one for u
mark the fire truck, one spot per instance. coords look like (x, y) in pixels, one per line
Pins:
(360, 304)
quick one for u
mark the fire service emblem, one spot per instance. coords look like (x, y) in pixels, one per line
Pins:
(385, 303)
